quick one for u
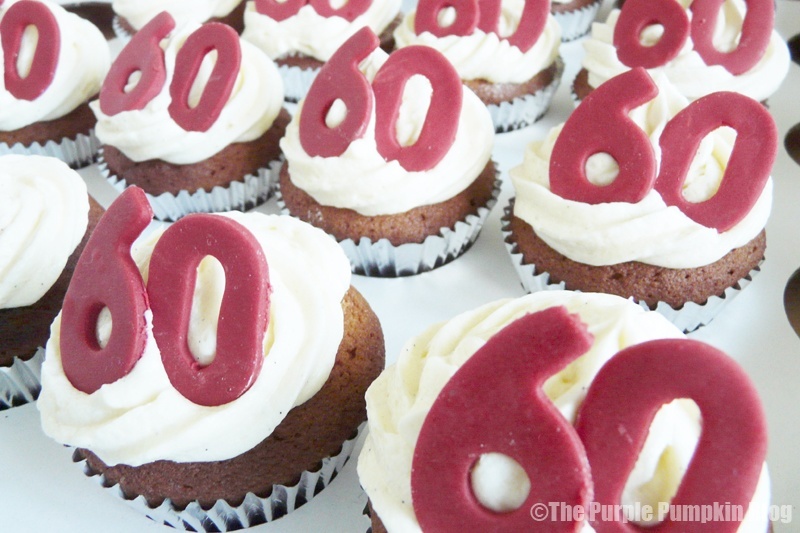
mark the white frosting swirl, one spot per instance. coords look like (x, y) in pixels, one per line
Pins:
(362, 180)
(648, 231)
(488, 56)
(141, 418)
(83, 61)
(311, 34)
(44, 211)
(151, 133)
(399, 400)
(688, 72)
(139, 12)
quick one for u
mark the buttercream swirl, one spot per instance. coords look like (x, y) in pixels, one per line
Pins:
(151, 133)
(688, 72)
(487, 56)
(362, 180)
(311, 34)
(83, 61)
(139, 12)
(141, 418)
(44, 211)
(399, 400)
(648, 231)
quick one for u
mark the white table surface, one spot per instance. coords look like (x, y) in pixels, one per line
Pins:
(42, 490)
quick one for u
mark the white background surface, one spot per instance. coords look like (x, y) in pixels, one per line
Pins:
(41, 490)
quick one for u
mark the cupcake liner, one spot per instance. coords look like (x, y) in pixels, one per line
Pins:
(240, 195)
(77, 153)
(383, 259)
(577, 23)
(254, 510)
(121, 33)
(296, 81)
(688, 317)
(21, 382)
(525, 110)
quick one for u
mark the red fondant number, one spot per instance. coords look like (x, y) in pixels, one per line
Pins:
(625, 396)
(340, 79)
(600, 124)
(637, 15)
(143, 54)
(106, 276)
(213, 36)
(243, 316)
(757, 26)
(471, 417)
(20, 16)
(279, 11)
(485, 15)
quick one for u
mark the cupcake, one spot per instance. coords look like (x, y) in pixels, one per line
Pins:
(514, 68)
(192, 152)
(445, 452)
(46, 219)
(132, 15)
(403, 188)
(248, 414)
(695, 69)
(44, 96)
(302, 37)
(575, 16)
(662, 203)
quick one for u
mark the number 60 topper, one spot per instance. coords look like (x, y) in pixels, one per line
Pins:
(143, 55)
(495, 404)
(601, 124)
(107, 277)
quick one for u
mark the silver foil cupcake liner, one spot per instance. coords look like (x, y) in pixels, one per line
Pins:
(121, 33)
(254, 510)
(383, 259)
(575, 24)
(525, 110)
(296, 81)
(20, 383)
(77, 153)
(240, 195)
(687, 318)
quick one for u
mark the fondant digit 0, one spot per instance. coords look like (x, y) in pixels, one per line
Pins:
(614, 420)
(531, 24)
(495, 403)
(106, 276)
(21, 15)
(747, 170)
(142, 54)
(339, 79)
(426, 18)
(635, 16)
(243, 315)
(753, 40)
(278, 10)
(213, 36)
(439, 131)
(601, 125)
(351, 9)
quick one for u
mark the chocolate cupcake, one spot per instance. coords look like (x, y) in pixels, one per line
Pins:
(233, 446)
(575, 16)
(44, 97)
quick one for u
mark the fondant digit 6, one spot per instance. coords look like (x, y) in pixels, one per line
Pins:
(21, 15)
(748, 167)
(636, 15)
(142, 54)
(495, 403)
(339, 79)
(213, 36)
(106, 276)
(437, 134)
(601, 125)
(615, 417)
(243, 315)
(426, 17)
